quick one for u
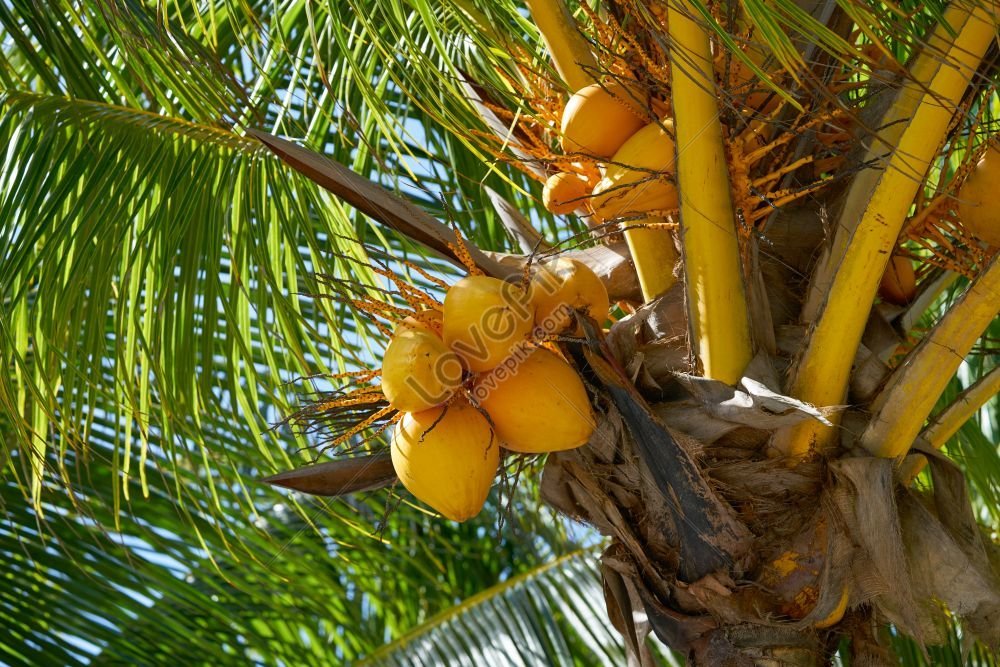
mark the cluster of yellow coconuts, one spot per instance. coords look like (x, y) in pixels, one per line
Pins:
(613, 123)
(475, 376)
(610, 123)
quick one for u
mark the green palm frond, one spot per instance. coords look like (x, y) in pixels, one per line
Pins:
(154, 276)
(305, 70)
(276, 586)
(118, 53)
(954, 651)
(155, 262)
(551, 615)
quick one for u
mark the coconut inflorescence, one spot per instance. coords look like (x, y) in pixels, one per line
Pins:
(469, 379)
(428, 319)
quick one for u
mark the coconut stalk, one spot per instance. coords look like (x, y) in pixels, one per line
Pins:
(912, 391)
(569, 49)
(717, 301)
(654, 256)
(962, 409)
(946, 424)
(847, 278)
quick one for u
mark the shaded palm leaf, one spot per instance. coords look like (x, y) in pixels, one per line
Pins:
(551, 615)
(177, 582)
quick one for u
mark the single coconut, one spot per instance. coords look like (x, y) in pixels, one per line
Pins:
(899, 283)
(977, 199)
(597, 121)
(564, 285)
(485, 320)
(639, 178)
(565, 192)
(537, 403)
(447, 458)
(419, 371)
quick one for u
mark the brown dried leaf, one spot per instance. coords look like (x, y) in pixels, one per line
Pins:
(338, 478)
(376, 202)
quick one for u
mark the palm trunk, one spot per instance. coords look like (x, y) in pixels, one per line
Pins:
(754, 645)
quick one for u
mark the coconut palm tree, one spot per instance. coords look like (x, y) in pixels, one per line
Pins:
(203, 205)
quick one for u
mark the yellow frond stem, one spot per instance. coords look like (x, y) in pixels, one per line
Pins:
(716, 296)
(569, 50)
(912, 391)
(962, 409)
(952, 418)
(846, 281)
(654, 256)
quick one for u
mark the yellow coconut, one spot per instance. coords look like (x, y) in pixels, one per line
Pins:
(565, 192)
(564, 285)
(646, 186)
(899, 283)
(446, 460)
(597, 121)
(419, 371)
(977, 199)
(537, 404)
(485, 320)
(428, 319)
